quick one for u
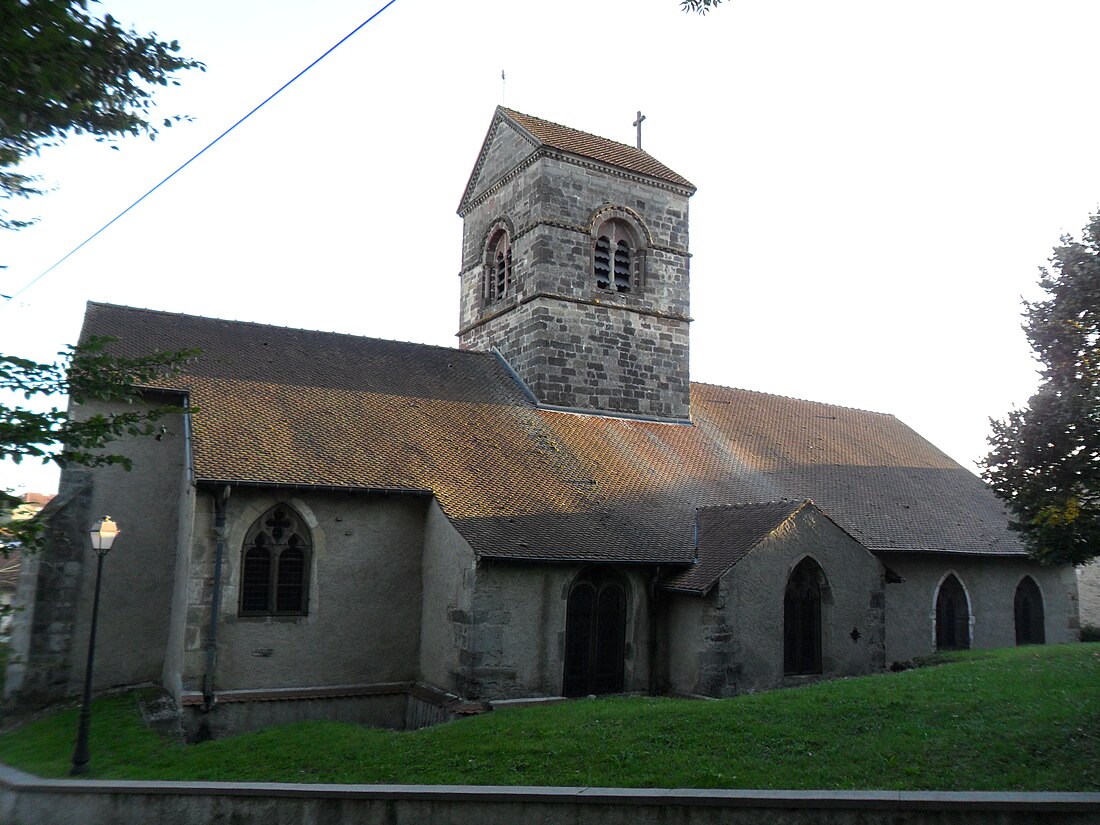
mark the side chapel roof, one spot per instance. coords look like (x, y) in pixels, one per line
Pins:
(289, 406)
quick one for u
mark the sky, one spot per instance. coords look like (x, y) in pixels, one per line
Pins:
(878, 181)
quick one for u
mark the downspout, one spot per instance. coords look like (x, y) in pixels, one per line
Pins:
(654, 623)
(208, 697)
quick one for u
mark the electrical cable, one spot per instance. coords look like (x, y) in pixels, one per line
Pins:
(268, 99)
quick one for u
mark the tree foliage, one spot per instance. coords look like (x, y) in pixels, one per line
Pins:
(65, 72)
(85, 373)
(1045, 458)
(699, 6)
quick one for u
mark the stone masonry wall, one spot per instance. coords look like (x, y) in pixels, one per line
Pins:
(42, 632)
(572, 342)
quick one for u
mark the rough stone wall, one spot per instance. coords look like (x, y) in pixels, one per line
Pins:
(363, 622)
(516, 644)
(731, 640)
(449, 574)
(137, 572)
(852, 600)
(172, 672)
(572, 342)
(990, 584)
(703, 647)
(1088, 588)
(42, 628)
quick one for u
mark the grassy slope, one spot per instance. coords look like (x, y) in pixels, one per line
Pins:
(1017, 719)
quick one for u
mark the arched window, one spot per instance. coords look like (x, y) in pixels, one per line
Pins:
(952, 616)
(1028, 609)
(498, 267)
(595, 634)
(275, 565)
(802, 620)
(613, 257)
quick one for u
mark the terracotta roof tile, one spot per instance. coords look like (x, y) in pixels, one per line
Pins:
(725, 535)
(285, 406)
(583, 144)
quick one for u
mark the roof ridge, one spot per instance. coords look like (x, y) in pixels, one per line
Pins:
(793, 502)
(169, 313)
(702, 384)
(512, 112)
(596, 148)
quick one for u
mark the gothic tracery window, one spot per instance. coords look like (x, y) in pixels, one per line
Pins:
(275, 565)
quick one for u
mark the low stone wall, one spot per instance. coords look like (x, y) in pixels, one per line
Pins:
(27, 800)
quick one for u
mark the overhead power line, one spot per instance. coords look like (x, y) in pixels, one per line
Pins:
(9, 298)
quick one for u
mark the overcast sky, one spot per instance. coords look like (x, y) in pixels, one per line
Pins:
(878, 181)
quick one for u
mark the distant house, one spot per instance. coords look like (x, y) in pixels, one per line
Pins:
(11, 556)
(367, 529)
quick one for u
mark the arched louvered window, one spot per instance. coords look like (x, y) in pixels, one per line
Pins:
(802, 620)
(613, 257)
(603, 262)
(595, 634)
(1028, 610)
(499, 279)
(622, 266)
(952, 616)
(275, 565)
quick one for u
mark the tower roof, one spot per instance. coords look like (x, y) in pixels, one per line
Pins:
(594, 147)
(544, 136)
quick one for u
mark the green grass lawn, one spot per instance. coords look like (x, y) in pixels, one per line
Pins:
(1016, 719)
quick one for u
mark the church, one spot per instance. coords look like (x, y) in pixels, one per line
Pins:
(394, 533)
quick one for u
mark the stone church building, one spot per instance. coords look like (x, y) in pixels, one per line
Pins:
(364, 529)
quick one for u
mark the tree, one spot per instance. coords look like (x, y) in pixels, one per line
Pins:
(1045, 458)
(699, 6)
(64, 72)
(86, 372)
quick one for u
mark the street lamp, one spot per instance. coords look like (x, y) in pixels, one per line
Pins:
(103, 534)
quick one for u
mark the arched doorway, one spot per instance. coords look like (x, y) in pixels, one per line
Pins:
(802, 619)
(595, 634)
(952, 616)
(1028, 609)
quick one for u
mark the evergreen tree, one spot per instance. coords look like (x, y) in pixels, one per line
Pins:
(1045, 458)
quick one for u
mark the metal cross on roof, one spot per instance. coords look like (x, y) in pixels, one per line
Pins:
(638, 124)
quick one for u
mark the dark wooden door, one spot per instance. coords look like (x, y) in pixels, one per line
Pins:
(595, 631)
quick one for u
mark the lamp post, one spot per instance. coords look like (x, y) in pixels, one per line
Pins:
(103, 535)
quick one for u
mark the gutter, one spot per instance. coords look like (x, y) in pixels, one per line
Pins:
(218, 483)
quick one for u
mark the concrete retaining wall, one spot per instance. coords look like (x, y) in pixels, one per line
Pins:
(26, 800)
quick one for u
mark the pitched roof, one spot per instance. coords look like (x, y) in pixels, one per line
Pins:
(594, 147)
(286, 406)
(725, 535)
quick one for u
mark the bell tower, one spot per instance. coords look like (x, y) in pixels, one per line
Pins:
(575, 267)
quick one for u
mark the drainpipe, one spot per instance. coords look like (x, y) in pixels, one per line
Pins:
(654, 623)
(208, 697)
